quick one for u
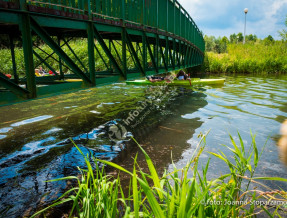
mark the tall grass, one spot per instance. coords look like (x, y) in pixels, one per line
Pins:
(175, 194)
(249, 58)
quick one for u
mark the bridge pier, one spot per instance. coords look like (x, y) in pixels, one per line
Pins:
(25, 26)
(91, 52)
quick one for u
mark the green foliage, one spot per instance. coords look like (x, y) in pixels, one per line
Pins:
(240, 37)
(95, 196)
(255, 58)
(218, 45)
(251, 38)
(268, 40)
(233, 38)
(183, 192)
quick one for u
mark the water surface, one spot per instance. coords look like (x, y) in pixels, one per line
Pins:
(35, 143)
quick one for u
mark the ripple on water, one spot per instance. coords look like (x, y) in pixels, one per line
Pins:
(5, 130)
(3, 136)
(53, 130)
(32, 120)
(95, 112)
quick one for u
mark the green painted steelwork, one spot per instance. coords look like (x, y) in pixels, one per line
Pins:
(91, 52)
(42, 33)
(16, 78)
(48, 65)
(28, 55)
(158, 31)
(134, 53)
(107, 51)
(7, 83)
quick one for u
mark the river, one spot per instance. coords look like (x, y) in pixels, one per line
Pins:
(35, 143)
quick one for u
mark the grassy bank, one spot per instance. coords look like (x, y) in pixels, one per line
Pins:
(253, 58)
(175, 194)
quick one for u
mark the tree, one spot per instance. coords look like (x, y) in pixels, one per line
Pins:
(251, 38)
(209, 43)
(268, 40)
(225, 40)
(240, 37)
(283, 33)
(233, 38)
(223, 44)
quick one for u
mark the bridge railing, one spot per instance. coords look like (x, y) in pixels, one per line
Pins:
(166, 15)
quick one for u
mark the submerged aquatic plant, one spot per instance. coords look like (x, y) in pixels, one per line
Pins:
(175, 194)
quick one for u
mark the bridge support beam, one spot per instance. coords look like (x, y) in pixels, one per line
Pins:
(124, 51)
(13, 87)
(107, 51)
(50, 42)
(60, 60)
(151, 54)
(134, 53)
(156, 51)
(48, 65)
(163, 56)
(91, 53)
(166, 51)
(25, 27)
(144, 52)
(11, 40)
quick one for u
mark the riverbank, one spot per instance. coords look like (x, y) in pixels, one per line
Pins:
(175, 193)
(251, 58)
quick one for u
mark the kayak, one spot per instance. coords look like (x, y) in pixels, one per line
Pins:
(194, 81)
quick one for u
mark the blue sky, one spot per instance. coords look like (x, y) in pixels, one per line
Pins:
(224, 17)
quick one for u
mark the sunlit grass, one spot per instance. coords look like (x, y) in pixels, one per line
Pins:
(175, 194)
(249, 58)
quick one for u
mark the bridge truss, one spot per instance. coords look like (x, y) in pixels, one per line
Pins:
(132, 38)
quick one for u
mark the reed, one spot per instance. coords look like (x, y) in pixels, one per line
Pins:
(251, 58)
(175, 194)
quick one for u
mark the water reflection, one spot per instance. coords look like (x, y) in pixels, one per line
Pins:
(41, 150)
(38, 147)
(32, 120)
(243, 104)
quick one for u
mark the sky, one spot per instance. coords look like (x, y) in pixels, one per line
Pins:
(225, 17)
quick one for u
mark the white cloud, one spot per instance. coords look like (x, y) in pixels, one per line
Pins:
(224, 17)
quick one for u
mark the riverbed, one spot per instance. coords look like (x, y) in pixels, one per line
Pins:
(36, 136)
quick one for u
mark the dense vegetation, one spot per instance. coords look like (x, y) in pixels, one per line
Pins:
(183, 192)
(223, 54)
(249, 58)
(79, 47)
(230, 55)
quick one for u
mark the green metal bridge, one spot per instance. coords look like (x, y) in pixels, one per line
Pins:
(156, 36)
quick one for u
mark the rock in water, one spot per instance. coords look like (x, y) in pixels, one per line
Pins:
(283, 143)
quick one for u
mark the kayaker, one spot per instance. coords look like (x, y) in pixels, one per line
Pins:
(181, 75)
(42, 71)
(155, 78)
(158, 79)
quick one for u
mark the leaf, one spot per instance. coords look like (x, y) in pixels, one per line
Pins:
(152, 170)
(135, 191)
(271, 178)
(114, 165)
